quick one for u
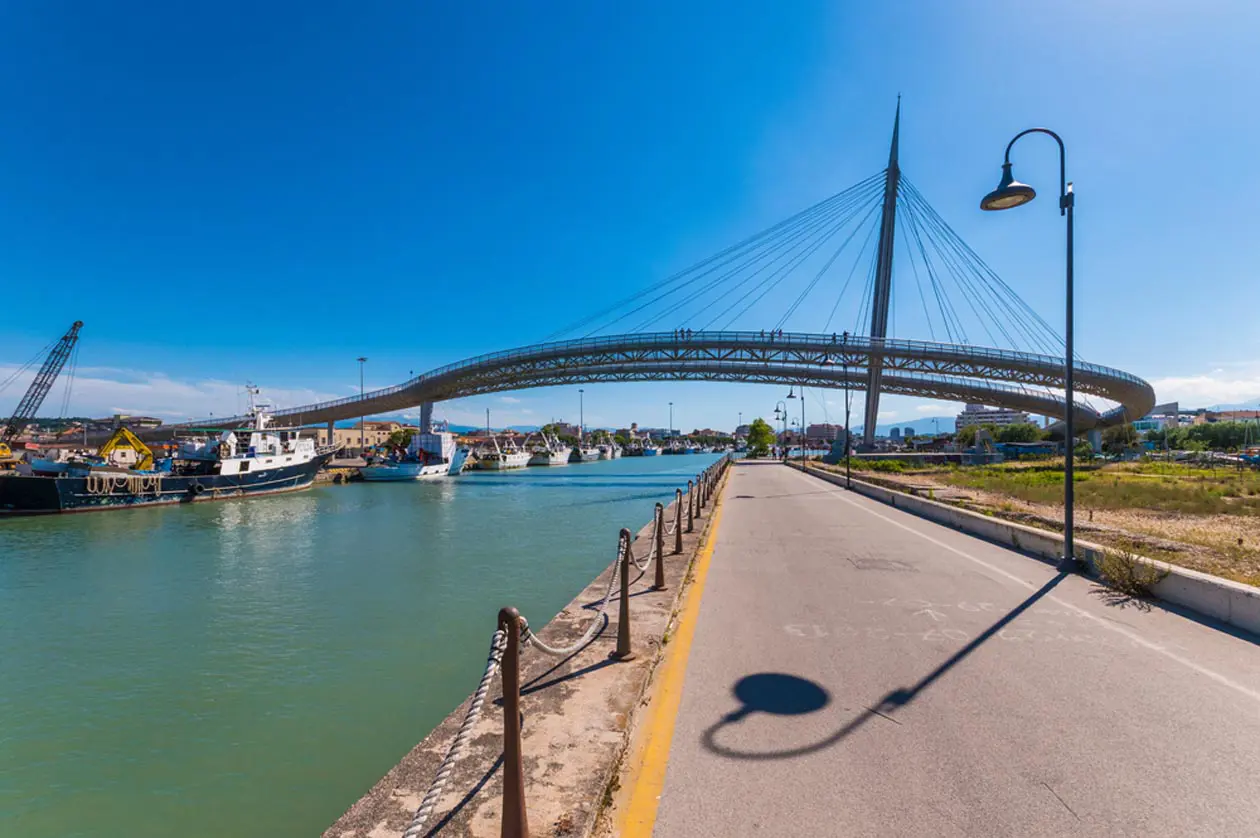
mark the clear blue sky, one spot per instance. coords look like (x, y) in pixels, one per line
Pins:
(242, 191)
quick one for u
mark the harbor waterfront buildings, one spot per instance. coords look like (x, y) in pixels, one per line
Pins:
(978, 414)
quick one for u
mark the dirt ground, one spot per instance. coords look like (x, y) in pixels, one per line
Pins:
(1223, 545)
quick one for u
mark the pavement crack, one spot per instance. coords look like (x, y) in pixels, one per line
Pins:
(1060, 799)
(882, 715)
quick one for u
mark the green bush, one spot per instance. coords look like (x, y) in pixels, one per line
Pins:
(1127, 573)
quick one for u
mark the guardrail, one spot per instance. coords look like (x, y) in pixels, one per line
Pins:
(512, 636)
(797, 341)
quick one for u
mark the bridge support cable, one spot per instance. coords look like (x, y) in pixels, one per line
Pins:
(975, 290)
(776, 279)
(1038, 334)
(732, 251)
(765, 256)
(674, 283)
(16, 374)
(803, 241)
(870, 236)
(971, 295)
(954, 328)
(826, 267)
(1053, 338)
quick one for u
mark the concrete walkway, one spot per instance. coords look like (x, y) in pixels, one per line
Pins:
(859, 671)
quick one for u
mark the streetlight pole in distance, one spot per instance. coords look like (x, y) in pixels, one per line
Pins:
(848, 439)
(581, 417)
(362, 360)
(780, 412)
(671, 421)
(1011, 193)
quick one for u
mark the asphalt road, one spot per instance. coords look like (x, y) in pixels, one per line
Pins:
(860, 671)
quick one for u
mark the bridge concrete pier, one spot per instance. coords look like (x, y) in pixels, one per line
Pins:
(426, 416)
(855, 670)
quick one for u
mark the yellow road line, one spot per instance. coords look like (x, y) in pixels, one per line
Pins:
(647, 777)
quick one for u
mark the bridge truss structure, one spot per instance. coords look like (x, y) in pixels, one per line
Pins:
(957, 295)
(1017, 380)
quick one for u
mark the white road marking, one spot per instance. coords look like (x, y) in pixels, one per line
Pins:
(1136, 639)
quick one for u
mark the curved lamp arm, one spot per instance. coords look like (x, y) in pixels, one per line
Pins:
(1065, 199)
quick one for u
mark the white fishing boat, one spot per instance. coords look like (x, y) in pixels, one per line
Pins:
(496, 456)
(584, 454)
(550, 452)
(429, 455)
(650, 449)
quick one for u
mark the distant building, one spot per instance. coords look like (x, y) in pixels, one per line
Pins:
(895, 434)
(978, 414)
(567, 429)
(823, 432)
(743, 430)
(374, 433)
(133, 422)
(907, 431)
(1230, 416)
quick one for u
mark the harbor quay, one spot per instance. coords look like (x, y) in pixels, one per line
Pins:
(832, 659)
(575, 707)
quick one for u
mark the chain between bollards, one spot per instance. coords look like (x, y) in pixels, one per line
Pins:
(623, 652)
(515, 823)
(691, 506)
(677, 521)
(658, 583)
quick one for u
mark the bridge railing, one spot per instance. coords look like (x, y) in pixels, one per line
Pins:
(788, 340)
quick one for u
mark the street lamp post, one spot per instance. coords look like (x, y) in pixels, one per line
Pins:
(671, 421)
(362, 361)
(790, 395)
(780, 412)
(848, 439)
(1011, 193)
(581, 417)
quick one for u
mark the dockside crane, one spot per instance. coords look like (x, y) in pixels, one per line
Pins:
(39, 389)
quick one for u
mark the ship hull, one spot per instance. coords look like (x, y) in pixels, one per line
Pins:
(550, 458)
(398, 472)
(104, 492)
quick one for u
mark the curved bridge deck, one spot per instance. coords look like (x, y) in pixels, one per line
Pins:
(1018, 380)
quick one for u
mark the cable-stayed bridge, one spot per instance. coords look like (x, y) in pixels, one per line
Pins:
(709, 322)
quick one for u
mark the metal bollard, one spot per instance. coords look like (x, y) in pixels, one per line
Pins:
(677, 521)
(623, 652)
(691, 502)
(515, 823)
(659, 583)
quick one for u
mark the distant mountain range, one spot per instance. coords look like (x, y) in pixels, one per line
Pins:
(925, 425)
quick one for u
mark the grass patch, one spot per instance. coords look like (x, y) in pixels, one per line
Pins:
(1162, 487)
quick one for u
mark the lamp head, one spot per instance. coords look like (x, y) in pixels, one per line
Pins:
(1009, 193)
(790, 394)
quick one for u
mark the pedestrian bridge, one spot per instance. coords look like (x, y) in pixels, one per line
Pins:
(951, 372)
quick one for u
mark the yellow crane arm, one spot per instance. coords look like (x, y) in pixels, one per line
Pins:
(124, 438)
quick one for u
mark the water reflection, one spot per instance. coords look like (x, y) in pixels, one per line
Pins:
(176, 661)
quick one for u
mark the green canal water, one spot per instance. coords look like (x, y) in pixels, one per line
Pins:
(252, 667)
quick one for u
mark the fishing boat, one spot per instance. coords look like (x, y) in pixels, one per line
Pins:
(496, 456)
(650, 449)
(234, 463)
(584, 453)
(428, 455)
(550, 452)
